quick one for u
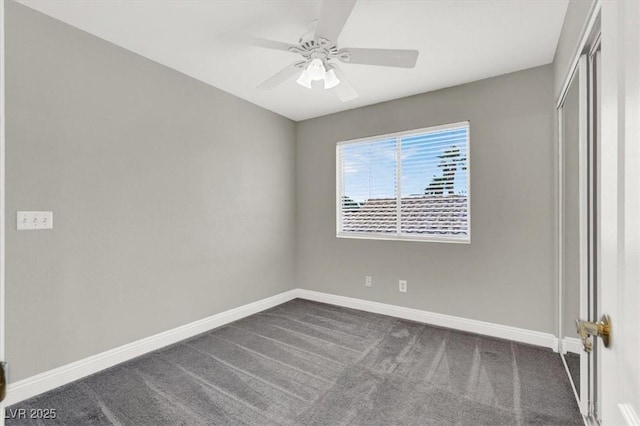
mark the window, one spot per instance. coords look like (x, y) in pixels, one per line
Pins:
(405, 186)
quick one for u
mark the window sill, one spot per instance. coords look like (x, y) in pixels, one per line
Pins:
(395, 237)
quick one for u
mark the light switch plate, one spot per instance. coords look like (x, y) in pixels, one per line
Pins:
(32, 221)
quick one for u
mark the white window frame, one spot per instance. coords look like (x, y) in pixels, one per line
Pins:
(398, 137)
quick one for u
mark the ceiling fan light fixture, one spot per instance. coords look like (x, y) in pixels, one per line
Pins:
(318, 53)
(330, 79)
(304, 79)
(316, 70)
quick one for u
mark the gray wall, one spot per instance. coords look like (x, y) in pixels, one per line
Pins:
(507, 275)
(574, 24)
(172, 200)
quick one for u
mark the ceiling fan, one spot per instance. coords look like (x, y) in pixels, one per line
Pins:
(319, 53)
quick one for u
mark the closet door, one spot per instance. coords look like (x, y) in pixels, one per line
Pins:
(574, 223)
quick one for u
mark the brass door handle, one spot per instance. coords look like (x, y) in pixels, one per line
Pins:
(601, 328)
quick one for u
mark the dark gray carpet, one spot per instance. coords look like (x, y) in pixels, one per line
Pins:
(307, 363)
(573, 364)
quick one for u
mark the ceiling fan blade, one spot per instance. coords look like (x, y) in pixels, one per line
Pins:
(385, 57)
(333, 16)
(281, 76)
(344, 90)
(254, 41)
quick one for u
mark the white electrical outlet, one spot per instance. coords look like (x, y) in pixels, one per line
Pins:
(31, 221)
(368, 281)
(402, 286)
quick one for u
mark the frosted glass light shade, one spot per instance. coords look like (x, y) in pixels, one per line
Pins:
(316, 70)
(330, 80)
(304, 79)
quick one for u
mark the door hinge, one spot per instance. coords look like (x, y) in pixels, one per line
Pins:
(601, 328)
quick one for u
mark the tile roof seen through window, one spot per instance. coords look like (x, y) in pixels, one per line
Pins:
(423, 215)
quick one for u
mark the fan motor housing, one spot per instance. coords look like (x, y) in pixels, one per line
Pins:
(318, 48)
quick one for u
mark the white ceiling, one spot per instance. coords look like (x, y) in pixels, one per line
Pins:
(459, 41)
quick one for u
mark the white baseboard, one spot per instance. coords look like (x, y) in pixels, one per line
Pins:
(32, 386)
(537, 338)
(571, 344)
(60, 376)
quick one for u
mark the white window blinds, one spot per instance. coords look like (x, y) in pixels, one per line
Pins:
(411, 185)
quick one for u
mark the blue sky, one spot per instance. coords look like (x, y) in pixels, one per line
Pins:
(370, 168)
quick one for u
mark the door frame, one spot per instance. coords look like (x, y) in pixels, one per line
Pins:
(2, 192)
(587, 34)
(579, 76)
(588, 365)
(582, 77)
(593, 57)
